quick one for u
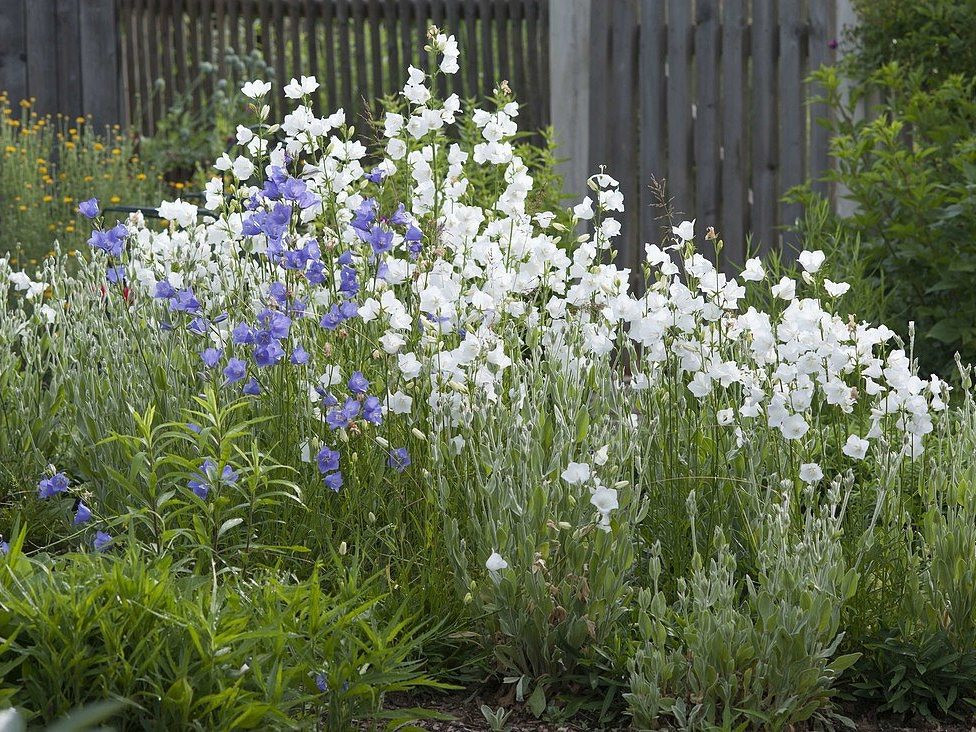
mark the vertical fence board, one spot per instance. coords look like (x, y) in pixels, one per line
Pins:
(328, 20)
(342, 28)
(220, 37)
(405, 20)
(41, 49)
(486, 45)
(298, 64)
(763, 127)
(151, 102)
(182, 69)
(541, 43)
(473, 76)
(392, 45)
(735, 175)
(598, 79)
(100, 90)
(623, 119)
(375, 53)
(653, 113)
(707, 158)
(679, 108)
(819, 54)
(312, 46)
(13, 49)
(791, 116)
(359, 50)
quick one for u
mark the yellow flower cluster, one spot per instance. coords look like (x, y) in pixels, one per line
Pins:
(48, 164)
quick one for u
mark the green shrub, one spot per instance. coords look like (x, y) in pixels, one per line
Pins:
(192, 652)
(909, 166)
(938, 37)
(737, 651)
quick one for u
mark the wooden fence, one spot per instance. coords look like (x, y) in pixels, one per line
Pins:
(65, 54)
(709, 95)
(706, 94)
(358, 49)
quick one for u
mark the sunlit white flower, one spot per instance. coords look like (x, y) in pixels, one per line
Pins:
(179, 211)
(604, 500)
(298, 88)
(785, 289)
(685, 231)
(811, 473)
(584, 210)
(256, 89)
(836, 289)
(576, 473)
(855, 447)
(811, 261)
(495, 563)
(753, 271)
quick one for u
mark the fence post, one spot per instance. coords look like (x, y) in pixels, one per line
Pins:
(569, 95)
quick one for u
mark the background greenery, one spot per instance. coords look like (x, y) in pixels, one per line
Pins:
(904, 137)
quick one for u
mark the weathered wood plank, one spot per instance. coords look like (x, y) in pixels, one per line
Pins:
(600, 55)
(378, 88)
(653, 114)
(486, 44)
(707, 158)
(101, 93)
(392, 44)
(735, 170)
(763, 127)
(680, 158)
(152, 96)
(820, 53)
(473, 72)
(312, 46)
(328, 20)
(13, 49)
(40, 44)
(178, 26)
(622, 128)
(792, 118)
(539, 117)
(348, 99)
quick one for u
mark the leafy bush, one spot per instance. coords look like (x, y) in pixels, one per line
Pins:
(909, 165)
(716, 659)
(189, 651)
(934, 36)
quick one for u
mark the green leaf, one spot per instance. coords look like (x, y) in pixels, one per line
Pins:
(537, 700)
(228, 525)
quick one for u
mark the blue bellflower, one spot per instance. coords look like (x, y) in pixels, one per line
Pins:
(89, 208)
(49, 487)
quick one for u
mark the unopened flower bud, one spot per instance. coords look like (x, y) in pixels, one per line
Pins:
(342, 548)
